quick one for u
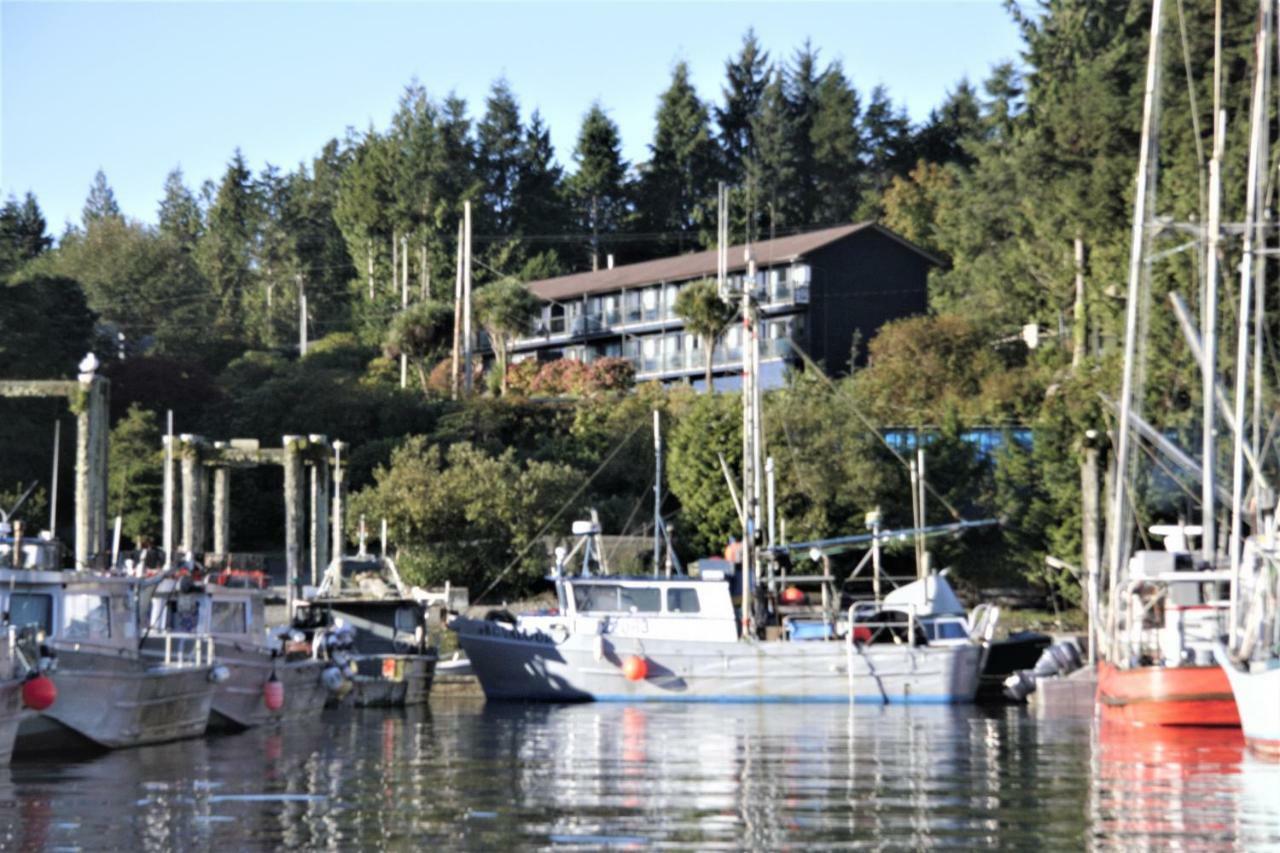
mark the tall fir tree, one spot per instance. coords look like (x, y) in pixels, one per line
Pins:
(678, 183)
(499, 145)
(598, 188)
(180, 217)
(225, 251)
(837, 148)
(887, 135)
(539, 210)
(746, 77)
(771, 166)
(101, 202)
(801, 81)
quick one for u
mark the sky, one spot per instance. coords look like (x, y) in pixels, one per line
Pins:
(137, 89)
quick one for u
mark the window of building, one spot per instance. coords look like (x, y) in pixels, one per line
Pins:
(86, 617)
(230, 617)
(669, 294)
(683, 601)
(649, 298)
(612, 310)
(631, 307)
(28, 608)
(556, 319)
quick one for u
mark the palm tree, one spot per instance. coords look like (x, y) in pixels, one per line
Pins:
(504, 308)
(706, 315)
(420, 332)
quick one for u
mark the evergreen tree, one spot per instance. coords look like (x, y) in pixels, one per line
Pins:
(179, 215)
(539, 201)
(952, 129)
(745, 79)
(23, 234)
(887, 135)
(771, 167)
(101, 202)
(225, 251)
(837, 148)
(599, 186)
(677, 183)
(499, 146)
(801, 82)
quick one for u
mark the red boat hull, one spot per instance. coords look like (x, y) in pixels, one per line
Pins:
(1167, 696)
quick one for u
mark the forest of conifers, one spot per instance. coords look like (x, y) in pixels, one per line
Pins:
(198, 313)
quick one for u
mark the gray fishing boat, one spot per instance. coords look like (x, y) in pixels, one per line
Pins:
(272, 676)
(371, 624)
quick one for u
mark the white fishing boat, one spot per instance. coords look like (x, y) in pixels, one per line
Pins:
(679, 638)
(272, 676)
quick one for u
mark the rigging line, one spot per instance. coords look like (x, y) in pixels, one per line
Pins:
(876, 432)
(641, 424)
(1195, 112)
(1168, 472)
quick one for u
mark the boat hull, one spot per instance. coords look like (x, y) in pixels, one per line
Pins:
(512, 665)
(1257, 696)
(239, 702)
(118, 702)
(1167, 696)
(10, 716)
(392, 681)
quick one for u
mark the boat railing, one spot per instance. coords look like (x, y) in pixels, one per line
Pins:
(188, 649)
(912, 625)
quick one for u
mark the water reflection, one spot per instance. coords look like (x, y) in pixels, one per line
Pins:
(705, 776)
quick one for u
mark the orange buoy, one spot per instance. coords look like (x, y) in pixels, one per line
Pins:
(273, 693)
(39, 692)
(793, 595)
(635, 668)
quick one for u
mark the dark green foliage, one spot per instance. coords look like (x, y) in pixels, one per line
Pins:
(180, 218)
(745, 78)
(22, 234)
(46, 327)
(135, 481)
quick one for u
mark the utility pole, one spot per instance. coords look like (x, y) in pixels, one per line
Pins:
(466, 298)
(404, 305)
(302, 315)
(657, 490)
(425, 272)
(1080, 322)
(457, 320)
(369, 256)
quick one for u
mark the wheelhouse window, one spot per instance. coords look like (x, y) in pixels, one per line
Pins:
(608, 598)
(682, 601)
(31, 609)
(230, 617)
(86, 617)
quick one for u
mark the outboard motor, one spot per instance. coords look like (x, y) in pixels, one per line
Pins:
(1058, 660)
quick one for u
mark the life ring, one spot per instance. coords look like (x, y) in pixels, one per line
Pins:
(559, 633)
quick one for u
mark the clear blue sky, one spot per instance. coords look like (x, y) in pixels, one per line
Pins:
(138, 88)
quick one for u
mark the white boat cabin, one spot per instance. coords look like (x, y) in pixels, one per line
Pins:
(659, 608)
(73, 609)
(230, 613)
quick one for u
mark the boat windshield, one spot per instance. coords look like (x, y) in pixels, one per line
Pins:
(31, 608)
(86, 617)
(612, 598)
(230, 617)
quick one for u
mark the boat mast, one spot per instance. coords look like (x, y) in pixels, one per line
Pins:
(1258, 130)
(1146, 185)
(1209, 309)
(657, 493)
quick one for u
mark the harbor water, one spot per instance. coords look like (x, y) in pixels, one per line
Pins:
(460, 773)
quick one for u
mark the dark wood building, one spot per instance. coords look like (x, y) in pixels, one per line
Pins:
(824, 290)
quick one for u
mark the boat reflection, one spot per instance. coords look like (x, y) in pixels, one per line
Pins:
(1159, 785)
(467, 774)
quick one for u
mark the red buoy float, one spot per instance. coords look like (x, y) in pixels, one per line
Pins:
(39, 692)
(273, 693)
(635, 668)
(793, 595)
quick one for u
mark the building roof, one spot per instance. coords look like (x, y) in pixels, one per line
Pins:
(697, 264)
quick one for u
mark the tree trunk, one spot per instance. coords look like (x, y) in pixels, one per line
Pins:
(500, 350)
(422, 373)
(710, 345)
